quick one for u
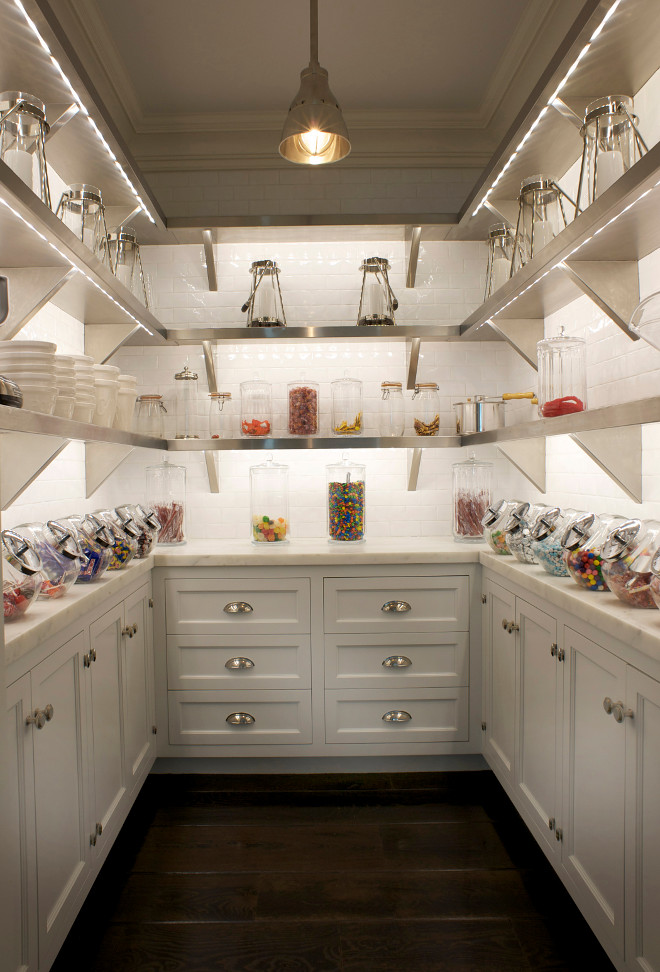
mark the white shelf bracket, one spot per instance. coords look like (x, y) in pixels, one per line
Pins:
(414, 462)
(504, 210)
(528, 456)
(618, 452)
(209, 256)
(27, 291)
(613, 285)
(521, 335)
(412, 247)
(413, 349)
(209, 457)
(23, 456)
(101, 459)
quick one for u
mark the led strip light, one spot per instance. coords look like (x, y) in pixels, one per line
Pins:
(81, 107)
(549, 104)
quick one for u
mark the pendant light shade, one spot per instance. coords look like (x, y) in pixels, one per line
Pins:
(314, 132)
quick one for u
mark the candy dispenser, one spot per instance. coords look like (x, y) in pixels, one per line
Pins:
(186, 404)
(562, 365)
(61, 556)
(23, 130)
(95, 542)
(391, 412)
(518, 532)
(125, 538)
(612, 144)
(81, 209)
(221, 416)
(21, 574)
(495, 517)
(471, 489)
(125, 261)
(377, 301)
(500, 257)
(303, 408)
(166, 489)
(583, 542)
(149, 415)
(264, 305)
(547, 532)
(132, 523)
(347, 406)
(541, 217)
(346, 501)
(426, 408)
(626, 557)
(269, 502)
(256, 408)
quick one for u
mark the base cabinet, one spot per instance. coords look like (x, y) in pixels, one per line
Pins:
(499, 662)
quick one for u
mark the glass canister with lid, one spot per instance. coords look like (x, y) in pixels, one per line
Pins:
(186, 404)
(149, 416)
(303, 408)
(346, 499)
(377, 301)
(125, 538)
(493, 521)
(518, 531)
(426, 408)
(21, 574)
(391, 412)
(583, 543)
(132, 523)
(547, 532)
(472, 482)
(256, 408)
(221, 417)
(269, 502)
(626, 556)
(166, 489)
(562, 364)
(346, 406)
(23, 131)
(95, 542)
(61, 556)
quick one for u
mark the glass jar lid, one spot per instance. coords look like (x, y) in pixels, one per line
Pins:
(391, 384)
(561, 342)
(20, 553)
(127, 523)
(96, 530)
(24, 102)
(494, 512)
(149, 516)
(186, 375)
(225, 396)
(620, 539)
(472, 463)
(546, 523)
(265, 266)
(499, 230)
(517, 518)
(578, 530)
(374, 264)
(534, 182)
(125, 234)
(82, 192)
(66, 542)
(608, 105)
(150, 398)
(269, 463)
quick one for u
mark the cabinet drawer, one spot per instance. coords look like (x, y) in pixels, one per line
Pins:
(200, 718)
(435, 604)
(356, 716)
(200, 662)
(203, 606)
(417, 661)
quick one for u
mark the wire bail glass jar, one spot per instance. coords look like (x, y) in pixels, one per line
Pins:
(303, 408)
(269, 502)
(149, 415)
(256, 408)
(23, 130)
(264, 306)
(346, 406)
(500, 257)
(377, 301)
(426, 408)
(541, 217)
(81, 209)
(612, 144)
(125, 261)
(221, 416)
(166, 489)
(471, 494)
(391, 412)
(346, 501)
(186, 404)
(562, 366)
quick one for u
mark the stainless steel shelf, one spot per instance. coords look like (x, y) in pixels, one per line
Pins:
(348, 332)
(315, 442)
(22, 420)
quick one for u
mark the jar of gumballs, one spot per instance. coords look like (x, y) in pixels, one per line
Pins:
(627, 561)
(562, 387)
(583, 543)
(269, 502)
(492, 521)
(471, 498)
(518, 531)
(547, 533)
(346, 501)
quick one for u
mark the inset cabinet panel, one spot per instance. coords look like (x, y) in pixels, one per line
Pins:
(429, 604)
(220, 606)
(239, 718)
(415, 716)
(196, 662)
(417, 661)
(500, 678)
(137, 672)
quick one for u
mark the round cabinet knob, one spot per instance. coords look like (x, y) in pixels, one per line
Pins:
(397, 715)
(397, 661)
(240, 719)
(49, 711)
(620, 712)
(238, 607)
(608, 705)
(505, 624)
(92, 654)
(38, 719)
(398, 607)
(239, 663)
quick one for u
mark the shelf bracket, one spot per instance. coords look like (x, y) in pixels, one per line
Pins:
(521, 335)
(412, 246)
(27, 291)
(63, 119)
(568, 113)
(613, 285)
(504, 210)
(101, 459)
(209, 457)
(414, 462)
(413, 348)
(23, 456)
(528, 456)
(618, 452)
(103, 340)
(209, 256)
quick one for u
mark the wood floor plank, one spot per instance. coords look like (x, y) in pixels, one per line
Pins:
(444, 845)
(187, 897)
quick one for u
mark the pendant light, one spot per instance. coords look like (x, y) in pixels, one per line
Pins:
(314, 132)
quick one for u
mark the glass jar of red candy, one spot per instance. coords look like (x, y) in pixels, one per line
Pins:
(583, 545)
(256, 408)
(562, 375)
(166, 489)
(303, 408)
(471, 498)
(21, 574)
(627, 556)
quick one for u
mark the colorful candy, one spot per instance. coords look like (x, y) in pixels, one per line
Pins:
(254, 427)
(585, 567)
(497, 542)
(469, 510)
(631, 588)
(303, 411)
(346, 510)
(269, 529)
(550, 555)
(122, 552)
(170, 516)
(96, 560)
(16, 601)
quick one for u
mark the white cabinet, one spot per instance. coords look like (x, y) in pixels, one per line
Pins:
(499, 663)
(404, 603)
(137, 668)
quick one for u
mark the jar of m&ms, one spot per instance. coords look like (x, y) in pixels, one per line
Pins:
(21, 574)
(256, 408)
(269, 502)
(627, 561)
(303, 408)
(583, 543)
(547, 533)
(493, 520)
(124, 537)
(61, 556)
(518, 531)
(346, 501)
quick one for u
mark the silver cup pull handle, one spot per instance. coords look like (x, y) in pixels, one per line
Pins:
(239, 663)
(238, 607)
(398, 607)
(397, 661)
(240, 719)
(397, 715)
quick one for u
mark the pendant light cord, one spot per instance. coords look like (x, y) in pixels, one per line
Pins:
(314, 31)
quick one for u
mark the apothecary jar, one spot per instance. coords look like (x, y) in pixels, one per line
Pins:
(256, 408)
(269, 502)
(346, 497)
(166, 493)
(562, 366)
(347, 406)
(221, 416)
(472, 484)
(391, 411)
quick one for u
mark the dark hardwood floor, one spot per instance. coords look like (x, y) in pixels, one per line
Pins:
(411, 872)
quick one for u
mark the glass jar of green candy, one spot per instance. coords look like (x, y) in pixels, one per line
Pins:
(493, 522)
(346, 501)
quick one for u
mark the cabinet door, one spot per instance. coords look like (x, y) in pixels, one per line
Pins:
(642, 822)
(499, 680)
(538, 735)
(108, 779)
(594, 785)
(20, 946)
(61, 788)
(137, 668)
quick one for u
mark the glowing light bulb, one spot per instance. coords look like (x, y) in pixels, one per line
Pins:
(316, 143)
